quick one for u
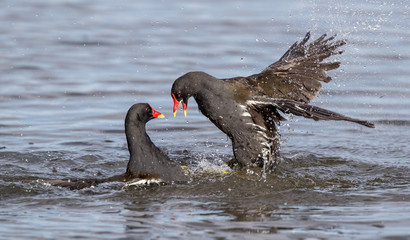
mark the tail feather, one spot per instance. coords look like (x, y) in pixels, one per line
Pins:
(309, 111)
(75, 184)
(80, 183)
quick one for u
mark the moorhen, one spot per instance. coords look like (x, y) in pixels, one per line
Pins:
(147, 162)
(247, 108)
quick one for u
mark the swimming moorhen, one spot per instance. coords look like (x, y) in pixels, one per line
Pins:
(247, 108)
(146, 160)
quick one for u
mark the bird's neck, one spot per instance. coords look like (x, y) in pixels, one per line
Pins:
(208, 89)
(193, 88)
(137, 138)
(196, 83)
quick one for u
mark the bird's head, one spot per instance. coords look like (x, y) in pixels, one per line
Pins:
(190, 84)
(152, 113)
(142, 112)
(181, 92)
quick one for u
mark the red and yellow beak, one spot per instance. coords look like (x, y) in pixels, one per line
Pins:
(156, 114)
(176, 104)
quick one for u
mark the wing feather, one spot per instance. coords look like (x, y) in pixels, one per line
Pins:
(298, 73)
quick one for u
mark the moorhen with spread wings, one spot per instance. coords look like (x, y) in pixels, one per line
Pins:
(247, 108)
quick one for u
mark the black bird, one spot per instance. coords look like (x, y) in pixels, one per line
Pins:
(247, 108)
(146, 160)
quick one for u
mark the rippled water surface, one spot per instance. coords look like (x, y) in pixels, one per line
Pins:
(71, 69)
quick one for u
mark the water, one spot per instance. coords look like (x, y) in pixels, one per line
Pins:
(71, 69)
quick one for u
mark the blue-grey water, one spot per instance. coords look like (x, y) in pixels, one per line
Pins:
(69, 71)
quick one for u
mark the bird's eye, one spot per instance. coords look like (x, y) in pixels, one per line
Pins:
(179, 94)
(147, 109)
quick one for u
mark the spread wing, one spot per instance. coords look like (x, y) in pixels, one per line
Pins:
(298, 73)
